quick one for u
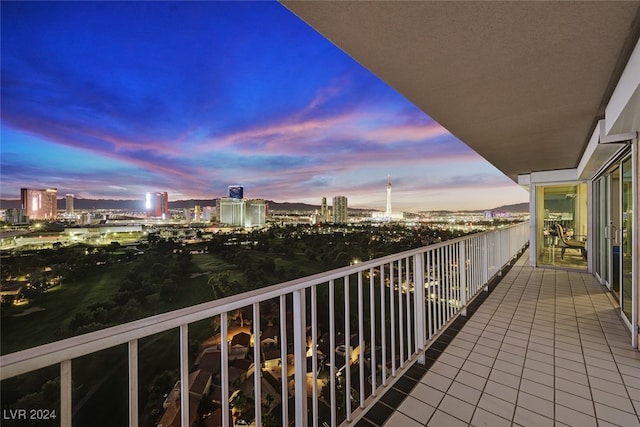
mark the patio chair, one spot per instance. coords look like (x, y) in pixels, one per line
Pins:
(566, 243)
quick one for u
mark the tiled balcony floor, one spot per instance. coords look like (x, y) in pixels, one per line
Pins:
(546, 348)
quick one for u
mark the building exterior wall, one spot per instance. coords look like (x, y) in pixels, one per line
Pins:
(40, 204)
(255, 213)
(340, 210)
(69, 204)
(157, 205)
(15, 216)
(231, 211)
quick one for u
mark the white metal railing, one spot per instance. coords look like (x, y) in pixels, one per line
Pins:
(378, 318)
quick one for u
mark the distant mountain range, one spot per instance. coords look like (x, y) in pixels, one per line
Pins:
(515, 208)
(138, 205)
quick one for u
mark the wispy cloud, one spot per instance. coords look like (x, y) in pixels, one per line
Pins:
(100, 102)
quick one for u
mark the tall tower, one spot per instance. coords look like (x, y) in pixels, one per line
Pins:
(40, 204)
(324, 212)
(157, 205)
(388, 211)
(340, 213)
(69, 204)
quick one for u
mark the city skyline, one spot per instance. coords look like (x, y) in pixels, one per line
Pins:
(103, 104)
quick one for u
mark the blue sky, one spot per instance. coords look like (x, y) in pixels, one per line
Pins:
(114, 99)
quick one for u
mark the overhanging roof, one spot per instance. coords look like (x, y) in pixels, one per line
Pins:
(522, 83)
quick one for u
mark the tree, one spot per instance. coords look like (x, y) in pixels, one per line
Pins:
(219, 284)
(235, 315)
(130, 310)
(240, 402)
(268, 266)
(270, 420)
(168, 291)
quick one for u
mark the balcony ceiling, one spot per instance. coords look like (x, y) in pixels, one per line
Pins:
(521, 83)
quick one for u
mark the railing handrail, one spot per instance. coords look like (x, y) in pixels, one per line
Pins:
(70, 348)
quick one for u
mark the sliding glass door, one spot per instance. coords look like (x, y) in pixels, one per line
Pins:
(613, 245)
(626, 234)
(561, 226)
(603, 235)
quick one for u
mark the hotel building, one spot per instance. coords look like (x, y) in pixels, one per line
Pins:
(157, 205)
(69, 204)
(235, 212)
(39, 204)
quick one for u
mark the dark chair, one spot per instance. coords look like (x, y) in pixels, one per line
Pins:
(566, 243)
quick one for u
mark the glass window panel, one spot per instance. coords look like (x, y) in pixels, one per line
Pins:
(626, 237)
(562, 225)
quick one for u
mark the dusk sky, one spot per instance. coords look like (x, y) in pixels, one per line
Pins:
(111, 100)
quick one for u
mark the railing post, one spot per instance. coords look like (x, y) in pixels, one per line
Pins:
(429, 290)
(347, 347)
(400, 314)
(485, 261)
(372, 322)
(392, 316)
(257, 365)
(184, 375)
(383, 325)
(314, 353)
(284, 361)
(409, 328)
(65, 393)
(499, 252)
(361, 338)
(299, 355)
(419, 306)
(332, 353)
(133, 383)
(224, 367)
(462, 271)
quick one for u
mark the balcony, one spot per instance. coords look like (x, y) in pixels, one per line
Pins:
(546, 347)
(464, 347)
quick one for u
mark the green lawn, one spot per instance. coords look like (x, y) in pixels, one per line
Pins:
(60, 305)
(101, 284)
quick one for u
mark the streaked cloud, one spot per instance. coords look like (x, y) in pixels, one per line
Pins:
(113, 99)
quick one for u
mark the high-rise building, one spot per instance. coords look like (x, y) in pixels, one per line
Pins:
(208, 213)
(235, 212)
(230, 211)
(15, 216)
(255, 212)
(69, 204)
(157, 205)
(39, 204)
(325, 212)
(340, 210)
(388, 211)
(84, 218)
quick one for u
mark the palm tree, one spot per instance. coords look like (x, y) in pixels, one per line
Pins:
(219, 284)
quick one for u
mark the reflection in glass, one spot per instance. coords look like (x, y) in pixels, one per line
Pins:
(627, 233)
(562, 225)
